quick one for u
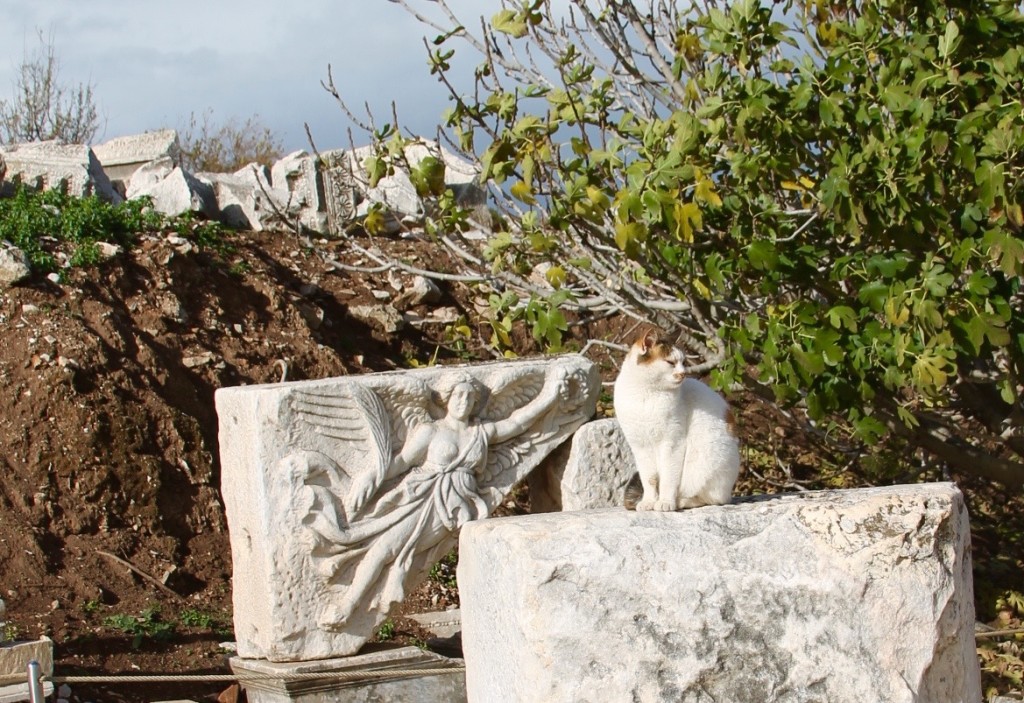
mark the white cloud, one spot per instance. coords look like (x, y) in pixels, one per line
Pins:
(152, 64)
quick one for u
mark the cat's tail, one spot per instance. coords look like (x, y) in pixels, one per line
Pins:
(633, 493)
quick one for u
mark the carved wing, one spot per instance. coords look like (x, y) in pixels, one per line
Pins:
(501, 458)
(356, 425)
(409, 403)
(515, 391)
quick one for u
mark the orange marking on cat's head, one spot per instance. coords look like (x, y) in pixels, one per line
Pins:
(649, 348)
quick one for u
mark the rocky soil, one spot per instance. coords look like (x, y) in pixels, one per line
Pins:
(113, 540)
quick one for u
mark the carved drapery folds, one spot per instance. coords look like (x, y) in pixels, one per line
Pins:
(342, 493)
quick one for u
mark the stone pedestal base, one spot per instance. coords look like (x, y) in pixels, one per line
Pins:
(424, 688)
(14, 659)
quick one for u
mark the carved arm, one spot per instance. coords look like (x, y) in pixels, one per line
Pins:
(519, 420)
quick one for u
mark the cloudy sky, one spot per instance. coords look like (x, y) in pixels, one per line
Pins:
(153, 64)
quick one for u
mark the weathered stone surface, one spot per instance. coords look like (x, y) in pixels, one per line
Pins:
(449, 685)
(174, 191)
(14, 660)
(861, 595)
(397, 193)
(122, 156)
(53, 164)
(243, 197)
(382, 317)
(594, 473)
(445, 623)
(297, 190)
(341, 493)
(14, 265)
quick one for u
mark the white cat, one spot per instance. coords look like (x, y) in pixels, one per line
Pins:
(680, 430)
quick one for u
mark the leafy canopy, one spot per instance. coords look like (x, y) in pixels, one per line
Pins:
(823, 198)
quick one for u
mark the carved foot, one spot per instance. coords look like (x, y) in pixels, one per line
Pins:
(333, 618)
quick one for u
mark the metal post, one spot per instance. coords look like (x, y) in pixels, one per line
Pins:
(35, 683)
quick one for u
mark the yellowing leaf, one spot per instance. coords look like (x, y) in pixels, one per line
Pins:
(688, 220)
(627, 234)
(509, 22)
(598, 198)
(555, 276)
(801, 184)
(373, 223)
(896, 313)
(1015, 215)
(702, 290)
(930, 371)
(523, 193)
(705, 192)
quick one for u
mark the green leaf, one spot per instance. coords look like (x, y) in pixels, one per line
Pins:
(762, 255)
(842, 316)
(509, 22)
(949, 41)
(874, 294)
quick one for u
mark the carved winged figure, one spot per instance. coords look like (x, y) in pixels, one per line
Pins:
(428, 458)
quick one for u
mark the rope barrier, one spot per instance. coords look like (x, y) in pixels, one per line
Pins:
(347, 676)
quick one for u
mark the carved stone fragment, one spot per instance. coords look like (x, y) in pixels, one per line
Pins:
(53, 164)
(342, 493)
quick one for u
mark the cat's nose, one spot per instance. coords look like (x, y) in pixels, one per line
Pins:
(678, 376)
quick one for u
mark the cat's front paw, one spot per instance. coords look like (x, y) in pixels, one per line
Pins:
(646, 504)
(663, 506)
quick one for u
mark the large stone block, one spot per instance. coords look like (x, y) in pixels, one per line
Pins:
(342, 493)
(54, 164)
(244, 198)
(173, 190)
(838, 596)
(123, 156)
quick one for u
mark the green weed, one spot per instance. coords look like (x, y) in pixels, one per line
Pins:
(146, 625)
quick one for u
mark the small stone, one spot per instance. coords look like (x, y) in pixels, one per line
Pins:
(193, 361)
(53, 278)
(381, 295)
(108, 250)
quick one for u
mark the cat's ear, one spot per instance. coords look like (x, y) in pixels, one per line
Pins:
(648, 341)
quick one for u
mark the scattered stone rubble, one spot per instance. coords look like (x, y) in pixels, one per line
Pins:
(320, 193)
